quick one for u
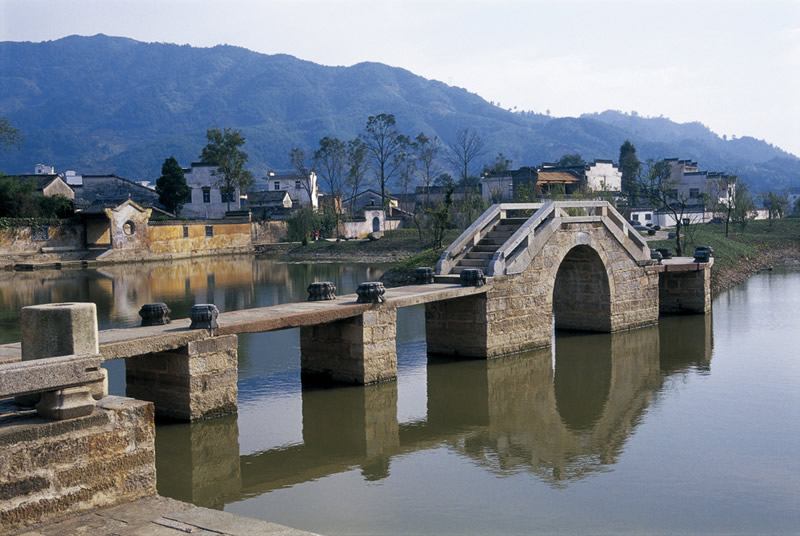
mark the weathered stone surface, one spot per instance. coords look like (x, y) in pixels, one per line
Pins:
(53, 468)
(204, 316)
(685, 291)
(52, 373)
(58, 329)
(66, 403)
(155, 314)
(193, 382)
(359, 350)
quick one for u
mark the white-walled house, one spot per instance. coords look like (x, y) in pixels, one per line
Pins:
(206, 201)
(603, 176)
(301, 190)
(695, 187)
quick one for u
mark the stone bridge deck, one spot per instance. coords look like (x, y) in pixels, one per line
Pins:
(129, 342)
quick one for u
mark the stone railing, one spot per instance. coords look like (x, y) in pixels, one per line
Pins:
(518, 251)
(475, 232)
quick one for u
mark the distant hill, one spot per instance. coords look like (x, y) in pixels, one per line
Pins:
(115, 105)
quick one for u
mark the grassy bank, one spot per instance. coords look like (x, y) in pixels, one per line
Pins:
(743, 252)
(395, 246)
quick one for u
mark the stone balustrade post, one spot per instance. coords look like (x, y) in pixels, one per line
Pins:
(58, 329)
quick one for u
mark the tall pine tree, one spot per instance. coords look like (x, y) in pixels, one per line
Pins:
(171, 186)
(630, 166)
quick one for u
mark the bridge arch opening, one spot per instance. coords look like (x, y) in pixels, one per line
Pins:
(581, 293)
(582, 379)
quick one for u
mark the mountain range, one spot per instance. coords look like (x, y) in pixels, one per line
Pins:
(105, 104)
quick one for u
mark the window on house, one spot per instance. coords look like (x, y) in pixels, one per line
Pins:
(648, 216)
(225, 197)
(296, 185)
(206, 195)
(277, 185)
(186, 231)
(209, 230)
(694, 193)
(686, 221)
(188, 199)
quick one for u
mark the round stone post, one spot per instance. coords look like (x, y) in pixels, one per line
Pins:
(56, 329)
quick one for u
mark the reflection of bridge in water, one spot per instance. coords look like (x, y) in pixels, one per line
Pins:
(508, 415)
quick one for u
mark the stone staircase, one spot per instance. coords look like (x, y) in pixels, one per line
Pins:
(480, 255)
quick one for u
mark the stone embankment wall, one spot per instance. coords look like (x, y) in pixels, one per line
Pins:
(50, 469)
(131, 237)
(27, 240)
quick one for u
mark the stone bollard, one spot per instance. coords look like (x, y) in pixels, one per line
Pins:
(703, 254)
(58, 329)
(424, 275)
(204, 316)
(323, 290)
(472, 277)
(155, 314)
(370, 292)
(656, 255)
(665, 253)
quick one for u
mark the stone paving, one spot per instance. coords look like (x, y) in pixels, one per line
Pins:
(159, 516)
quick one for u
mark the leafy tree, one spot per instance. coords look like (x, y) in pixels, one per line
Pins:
(500, 166)
(630, 166)
(224, 150)
(743, 205)
(171, 186)
(9, 136)
(661, 190)
(383, 142)
(440, 219)
(776, 204)
(444, 179)
(571, 160)
(427, 152)
(21, 200)
(330, 161)
(465, 149)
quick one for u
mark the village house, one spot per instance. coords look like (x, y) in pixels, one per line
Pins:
(47, 184)
(302, 190)
(269, 205)
(699, 188)
(206, 200)
(599, 176)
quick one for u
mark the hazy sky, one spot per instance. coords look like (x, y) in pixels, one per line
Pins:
(732, 65)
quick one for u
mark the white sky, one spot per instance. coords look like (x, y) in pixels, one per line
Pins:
(732, 65)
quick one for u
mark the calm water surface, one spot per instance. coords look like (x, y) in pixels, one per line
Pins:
(687, 427)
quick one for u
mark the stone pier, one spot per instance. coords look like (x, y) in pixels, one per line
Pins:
(685, 288)
(359, 350)
(193, 382)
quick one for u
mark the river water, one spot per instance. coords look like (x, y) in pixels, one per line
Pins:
(692, 426)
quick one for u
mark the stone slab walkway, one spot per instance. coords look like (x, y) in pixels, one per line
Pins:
(159, 516)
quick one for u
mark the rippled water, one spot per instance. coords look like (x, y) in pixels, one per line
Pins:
(687, 427)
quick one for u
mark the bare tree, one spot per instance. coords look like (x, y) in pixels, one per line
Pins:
(466, 148)
(427, 153)
(662, 192)
(405, 160)
(356, 167)
(383, 142)
(297, 157)
(330, 161)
